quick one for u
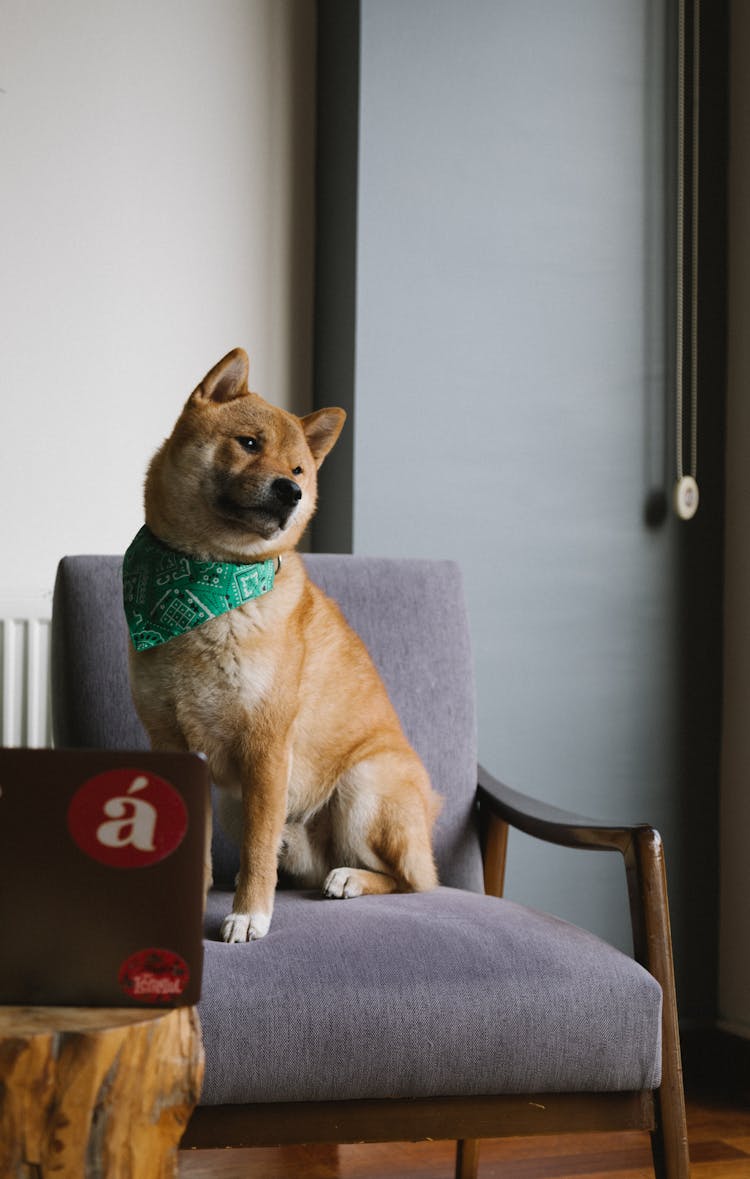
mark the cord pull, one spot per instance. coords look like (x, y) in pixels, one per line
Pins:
(686, 497)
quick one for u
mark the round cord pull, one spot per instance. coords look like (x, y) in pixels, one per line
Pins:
(686, 497)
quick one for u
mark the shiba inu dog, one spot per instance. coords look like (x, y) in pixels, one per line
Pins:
(236, 654)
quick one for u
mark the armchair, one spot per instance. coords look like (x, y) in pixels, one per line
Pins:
(451, 1014)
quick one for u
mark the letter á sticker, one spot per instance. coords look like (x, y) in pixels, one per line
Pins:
(127, 818)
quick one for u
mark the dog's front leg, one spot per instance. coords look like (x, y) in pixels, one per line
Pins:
(264, 804)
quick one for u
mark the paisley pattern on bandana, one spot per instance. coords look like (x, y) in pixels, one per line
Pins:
(166, 593)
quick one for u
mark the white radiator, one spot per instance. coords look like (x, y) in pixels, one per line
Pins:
(25, 686)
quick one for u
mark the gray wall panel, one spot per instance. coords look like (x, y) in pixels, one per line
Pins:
(511, 367)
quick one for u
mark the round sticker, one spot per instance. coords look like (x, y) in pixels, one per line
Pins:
(127, 818)
(154, 976)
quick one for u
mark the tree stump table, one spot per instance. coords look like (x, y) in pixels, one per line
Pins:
(96, 1093)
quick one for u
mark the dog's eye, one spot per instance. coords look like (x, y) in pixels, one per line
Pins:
(297, 471)
(248, 444)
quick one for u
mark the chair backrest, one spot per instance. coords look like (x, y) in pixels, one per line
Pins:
(412, 617)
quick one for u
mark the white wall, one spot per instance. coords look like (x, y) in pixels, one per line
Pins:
(734, 973)
(155, 211)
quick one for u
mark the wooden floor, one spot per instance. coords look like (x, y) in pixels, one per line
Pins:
(719, 1149)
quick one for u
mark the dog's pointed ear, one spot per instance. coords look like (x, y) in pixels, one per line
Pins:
(226, 380)
(321, 429)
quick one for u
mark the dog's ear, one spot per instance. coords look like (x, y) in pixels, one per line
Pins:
(226, 380)
(322, 428)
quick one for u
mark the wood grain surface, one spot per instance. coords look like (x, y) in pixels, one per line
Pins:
(96, 1093)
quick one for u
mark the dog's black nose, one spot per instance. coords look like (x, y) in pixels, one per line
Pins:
(286, 492)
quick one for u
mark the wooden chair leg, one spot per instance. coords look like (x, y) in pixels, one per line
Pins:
(467, 1158)
(657, 1154)
(652, 939)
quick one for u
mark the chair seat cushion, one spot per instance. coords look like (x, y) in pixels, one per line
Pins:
(443, 993)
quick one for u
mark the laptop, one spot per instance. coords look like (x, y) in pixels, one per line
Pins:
(101, 877)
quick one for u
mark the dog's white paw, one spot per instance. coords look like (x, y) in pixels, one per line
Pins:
(342, 883)
(244, 927)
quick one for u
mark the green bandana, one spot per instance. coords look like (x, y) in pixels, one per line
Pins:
(167, 593)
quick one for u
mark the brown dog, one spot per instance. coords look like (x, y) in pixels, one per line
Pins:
(278, 692)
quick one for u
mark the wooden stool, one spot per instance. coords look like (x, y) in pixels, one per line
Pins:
(100, 1093)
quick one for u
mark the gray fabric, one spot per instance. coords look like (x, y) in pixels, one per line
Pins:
(443, 993)
(91, 704)
(410, 614)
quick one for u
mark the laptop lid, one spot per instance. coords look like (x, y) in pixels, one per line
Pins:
(101, 877)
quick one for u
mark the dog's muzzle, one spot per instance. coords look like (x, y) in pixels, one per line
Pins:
(268, 511)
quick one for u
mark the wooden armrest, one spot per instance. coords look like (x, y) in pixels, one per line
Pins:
(554, 825)
(643, 853)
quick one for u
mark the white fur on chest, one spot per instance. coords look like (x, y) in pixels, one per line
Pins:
(222, 678)
(236, 666)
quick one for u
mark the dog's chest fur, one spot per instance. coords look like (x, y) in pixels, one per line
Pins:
(217, 684)
(225, 673)
(235, 663)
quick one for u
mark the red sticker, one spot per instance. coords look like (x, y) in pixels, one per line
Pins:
(127, 818)
(154, 976)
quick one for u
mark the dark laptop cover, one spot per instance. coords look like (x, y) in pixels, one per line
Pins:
(101, 877)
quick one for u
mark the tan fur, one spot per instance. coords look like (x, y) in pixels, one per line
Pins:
(280, 694)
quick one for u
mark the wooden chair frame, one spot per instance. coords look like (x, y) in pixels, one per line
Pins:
(661, 1112)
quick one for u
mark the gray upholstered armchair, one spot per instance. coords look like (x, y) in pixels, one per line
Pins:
(451, 1014)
